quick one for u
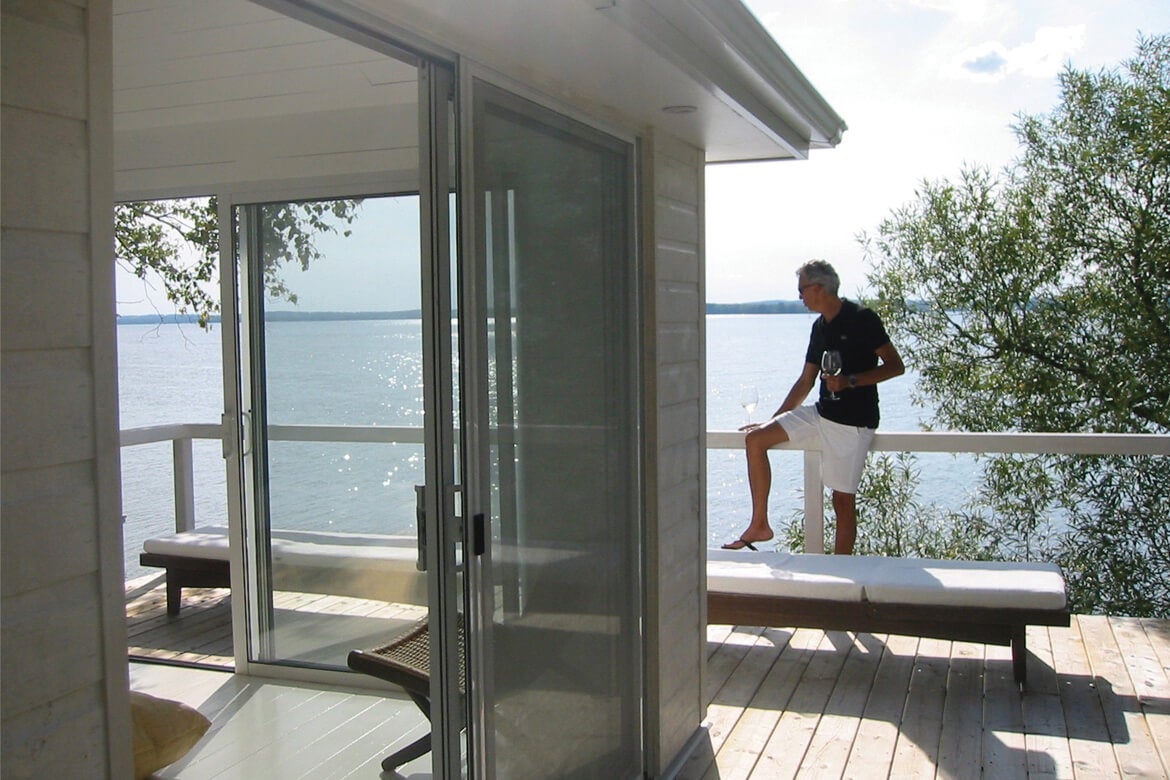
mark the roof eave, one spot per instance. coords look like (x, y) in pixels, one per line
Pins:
(722, 46)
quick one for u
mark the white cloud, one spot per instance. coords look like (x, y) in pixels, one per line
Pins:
(1043, 57)
(963, 10)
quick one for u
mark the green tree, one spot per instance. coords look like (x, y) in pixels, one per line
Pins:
(1038, 299)
(896, 522)
(178, 240)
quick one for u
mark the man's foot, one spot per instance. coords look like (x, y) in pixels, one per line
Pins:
(749, 540)
(739, 544)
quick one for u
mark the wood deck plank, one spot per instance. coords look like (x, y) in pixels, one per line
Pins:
(877, 735)
(739, 753)
(1158, 635)
(1004, 749)
(960, 748)
(1088, 734)
(1133, 744)
(1045, 732)
(785, 750)
(916, 754)
(1150, 678)
(731, 651)
(828, 753)
(733, 677)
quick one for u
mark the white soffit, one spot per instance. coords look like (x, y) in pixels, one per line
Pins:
(632, 58)
(216, 92)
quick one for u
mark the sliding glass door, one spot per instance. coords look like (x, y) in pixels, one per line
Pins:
(429, 433)
(560, 627)
(335, 384)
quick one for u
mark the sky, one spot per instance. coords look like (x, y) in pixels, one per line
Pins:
(925, 87)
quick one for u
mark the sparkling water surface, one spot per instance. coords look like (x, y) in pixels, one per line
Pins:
(367, 373)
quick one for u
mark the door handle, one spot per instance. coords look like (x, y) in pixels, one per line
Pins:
(246, 434)
(478, 534)
(420, 518)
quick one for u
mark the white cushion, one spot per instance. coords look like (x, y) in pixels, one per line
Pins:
(375, 566)
(770, 573)
(887, 580)
(1024, 585)
(208, 542)
(316, 548)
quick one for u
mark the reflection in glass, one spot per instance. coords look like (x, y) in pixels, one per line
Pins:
(566, 531)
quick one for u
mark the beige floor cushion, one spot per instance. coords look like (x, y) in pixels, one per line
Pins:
(164, 731)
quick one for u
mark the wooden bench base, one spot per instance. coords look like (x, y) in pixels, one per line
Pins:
(995, 626)
(188, 572)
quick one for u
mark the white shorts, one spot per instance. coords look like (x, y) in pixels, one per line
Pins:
(843, 447)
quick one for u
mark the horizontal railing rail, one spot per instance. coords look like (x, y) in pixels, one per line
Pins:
(987, 443)
(181, 435)
(950, 442)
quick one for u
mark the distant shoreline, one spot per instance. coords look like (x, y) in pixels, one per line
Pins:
(756, 307)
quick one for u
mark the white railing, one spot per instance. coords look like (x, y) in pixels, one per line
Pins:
(951, 442)
(181, 437)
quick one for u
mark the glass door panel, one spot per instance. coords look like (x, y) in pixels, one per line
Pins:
(336, 398)
(563, 590)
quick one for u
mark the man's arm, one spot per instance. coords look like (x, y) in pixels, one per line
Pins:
(801, 389)
(889, 366)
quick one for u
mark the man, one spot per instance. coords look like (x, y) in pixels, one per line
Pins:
(846, 414)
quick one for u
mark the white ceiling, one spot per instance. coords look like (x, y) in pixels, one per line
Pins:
(209, 93)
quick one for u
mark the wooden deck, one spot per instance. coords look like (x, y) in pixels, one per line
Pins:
(783, 702)
(201, 634)
(831, 704)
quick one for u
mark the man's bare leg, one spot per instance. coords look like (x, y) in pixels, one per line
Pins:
(757, 443)
(845, 507)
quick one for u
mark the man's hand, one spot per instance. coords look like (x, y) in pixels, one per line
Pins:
(836, 383)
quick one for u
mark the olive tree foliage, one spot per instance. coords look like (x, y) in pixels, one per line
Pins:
(178, 241)
(1038, 299)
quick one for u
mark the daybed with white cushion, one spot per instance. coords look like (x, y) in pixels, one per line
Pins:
(375, 566)
(991, 602)
(372, 566)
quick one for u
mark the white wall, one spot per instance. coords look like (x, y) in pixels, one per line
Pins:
(63, 663)
(673, 192)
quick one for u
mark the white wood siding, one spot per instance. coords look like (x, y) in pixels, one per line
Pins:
(673, 247)
(66, 711)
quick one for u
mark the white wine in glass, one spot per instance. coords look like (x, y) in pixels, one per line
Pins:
(749, 399)
(831, 365)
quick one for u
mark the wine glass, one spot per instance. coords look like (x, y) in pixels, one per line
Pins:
(749, 399)
(831, 365)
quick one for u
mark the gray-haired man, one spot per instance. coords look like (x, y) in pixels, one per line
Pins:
(845, 415)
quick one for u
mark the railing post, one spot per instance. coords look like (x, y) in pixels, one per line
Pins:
(184, 468)
(814, 503)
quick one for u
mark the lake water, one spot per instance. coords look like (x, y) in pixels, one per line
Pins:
(367, 373)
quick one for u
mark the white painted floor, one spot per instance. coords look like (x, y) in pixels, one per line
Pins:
(261, 728)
